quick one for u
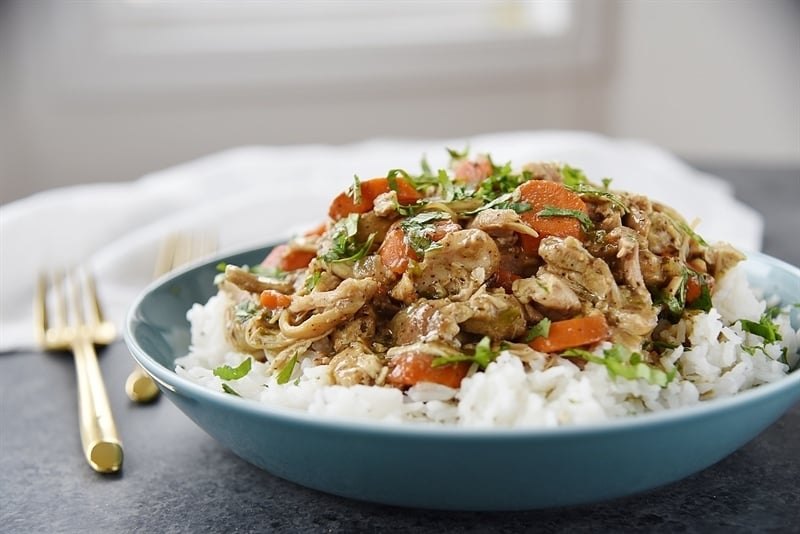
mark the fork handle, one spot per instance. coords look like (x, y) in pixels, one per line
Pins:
(101, 443)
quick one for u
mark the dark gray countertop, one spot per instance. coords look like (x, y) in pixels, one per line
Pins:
(177, 479)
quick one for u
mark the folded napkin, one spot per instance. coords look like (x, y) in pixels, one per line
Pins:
(253, 196)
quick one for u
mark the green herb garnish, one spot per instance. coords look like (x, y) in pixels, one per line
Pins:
(586, 190)
(540, 329)
(229, 390)
(686, 229)
(286, 372)
(456, 155)
(703, 302)
(552, 211)
(418, 230)
(356, 190)
(765, 327)
(621, 362)
(483, 355)
(312, 281)
(245, 310)
(226, 372)
(573, 176)
(344, 246)
(258, 270)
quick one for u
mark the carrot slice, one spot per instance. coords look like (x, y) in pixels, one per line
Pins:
(473, 172)
(343, 205)
(317, 231)
(410, 368)
(395, 252)
(288, 259)
(571, 333)
(273, 259)
(273, 299)
(505, 279)
(541, 194)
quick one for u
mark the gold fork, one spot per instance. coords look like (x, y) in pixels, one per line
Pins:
(174, 251)
(77, 325)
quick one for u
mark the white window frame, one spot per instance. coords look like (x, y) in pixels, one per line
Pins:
(109, 48)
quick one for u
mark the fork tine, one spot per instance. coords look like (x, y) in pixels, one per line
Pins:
(51, 334)
(40, 322)
(166, 255)
(60, 300)
(72, 287)
(175, 250)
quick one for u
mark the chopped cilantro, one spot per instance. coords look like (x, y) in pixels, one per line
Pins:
(268, 272)
(619, 361)
(312, 281)
(226, 372)
(229, 390)
(483, 355)
(675, 303)
(344, 246)
(703, 302)
(586, 190)
(275, 273)
(245, 310)
(540, 329)
(448, 191)
(455, 154)
(552, 211)
(573, 176)
(765, 327)
(504, 201)
(425, 166)
(419, 228)
(686, 229)
(286, 373)
(501, 182)
(356, 190)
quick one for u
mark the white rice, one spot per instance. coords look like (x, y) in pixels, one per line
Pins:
(511, 393)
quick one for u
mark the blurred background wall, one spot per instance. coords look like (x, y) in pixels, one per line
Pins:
(109, 91)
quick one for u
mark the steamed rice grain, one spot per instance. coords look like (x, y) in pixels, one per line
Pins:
(513, 393)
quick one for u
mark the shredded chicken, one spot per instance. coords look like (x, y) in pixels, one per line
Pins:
(424, 276)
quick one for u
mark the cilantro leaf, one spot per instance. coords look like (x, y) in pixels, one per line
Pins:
(586, 190)
(245, 310)
(552, 211)
(229, 390)
(226, 372)
(619, 361)
(286, 372)
(419, 229)
(455, 154)
(703, 302)
(686, 229)
(483, 355)
(540, 329)
(764, 328)
(312, 281)
(572, 176)
(356, 190)
(344, 246)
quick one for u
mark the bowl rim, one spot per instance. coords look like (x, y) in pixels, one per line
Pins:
(169, 379)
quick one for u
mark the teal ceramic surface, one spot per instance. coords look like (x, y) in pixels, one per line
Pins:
(452, 468)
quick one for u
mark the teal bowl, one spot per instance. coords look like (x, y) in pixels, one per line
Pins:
(455, 468)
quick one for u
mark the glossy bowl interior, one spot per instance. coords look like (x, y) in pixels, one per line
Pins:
(454, 468)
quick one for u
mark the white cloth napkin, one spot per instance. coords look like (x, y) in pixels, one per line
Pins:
(253, 196)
